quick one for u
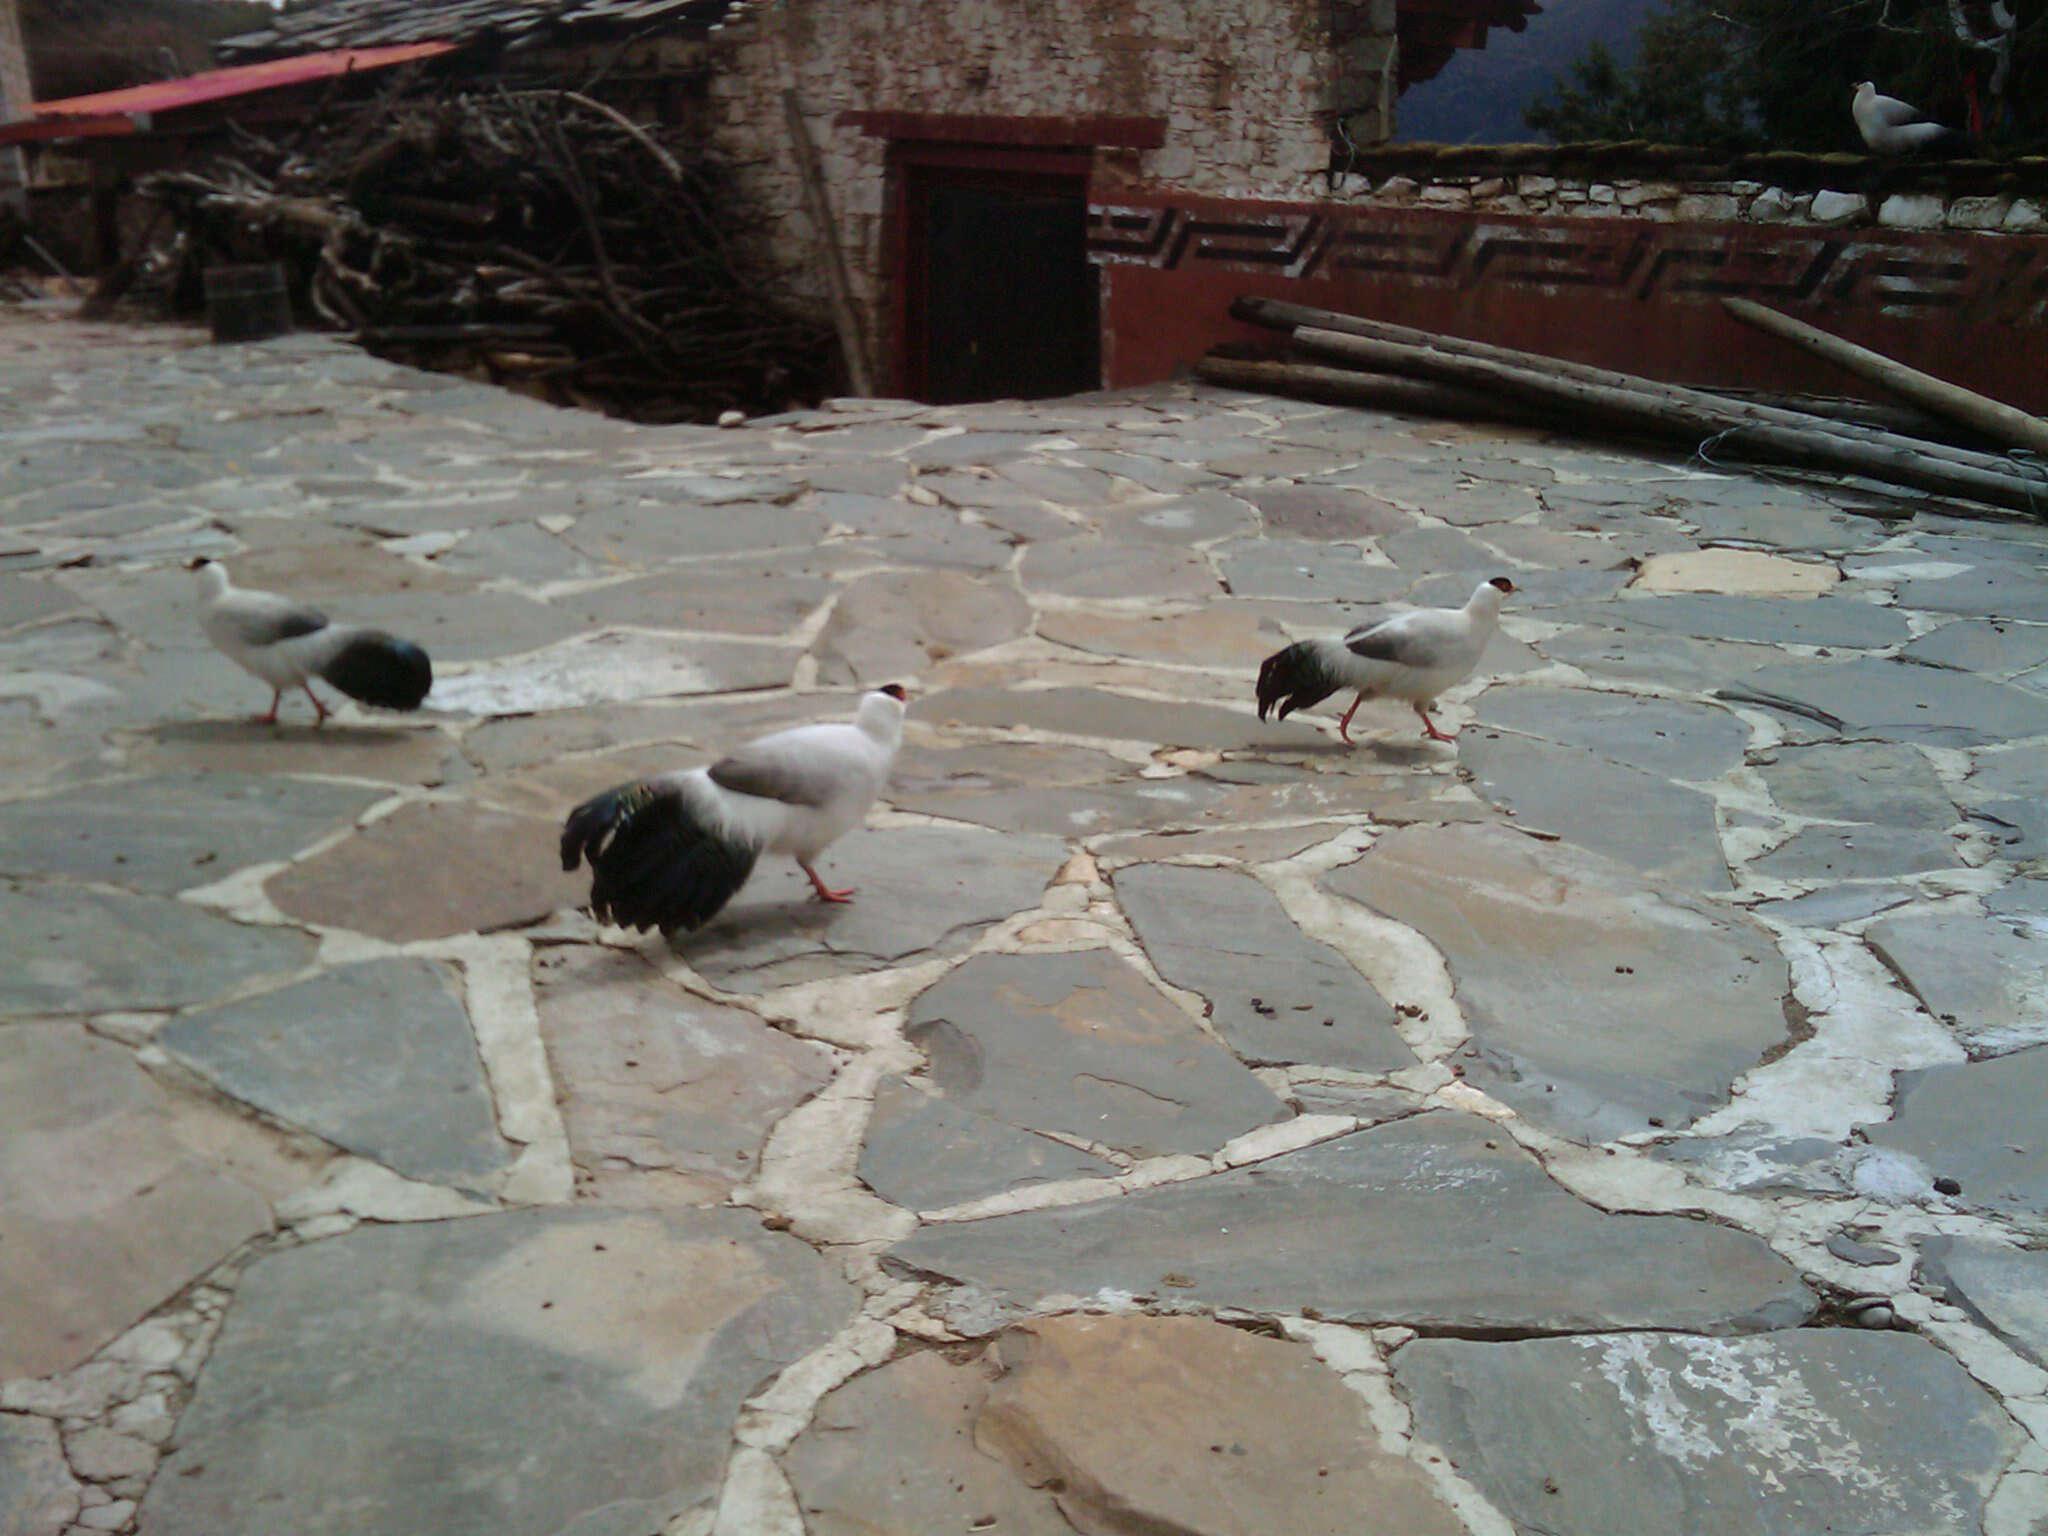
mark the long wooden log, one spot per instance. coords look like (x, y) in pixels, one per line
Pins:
(1281, 315)
(1901, 462)
(1376, 391)
(1994, 418)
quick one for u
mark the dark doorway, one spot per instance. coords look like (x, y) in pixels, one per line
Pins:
(999, 300)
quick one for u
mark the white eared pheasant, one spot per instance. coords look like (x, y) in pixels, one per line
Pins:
(1414, 655)
(670, 851)
(1890, 127)
(288, 644)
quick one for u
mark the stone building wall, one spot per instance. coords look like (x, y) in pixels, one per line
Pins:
(1698, 202)
(1249, 91)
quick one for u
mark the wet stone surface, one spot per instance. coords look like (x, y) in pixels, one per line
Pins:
(1682, 1014)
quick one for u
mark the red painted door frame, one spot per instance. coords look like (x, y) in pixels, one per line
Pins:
(906, 249)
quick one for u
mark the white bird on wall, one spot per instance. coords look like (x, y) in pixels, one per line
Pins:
(1891, 127)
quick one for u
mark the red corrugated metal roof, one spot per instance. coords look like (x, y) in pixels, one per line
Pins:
(129, 111)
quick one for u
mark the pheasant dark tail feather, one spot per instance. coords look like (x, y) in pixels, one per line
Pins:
(1295, 678)
(654, 863)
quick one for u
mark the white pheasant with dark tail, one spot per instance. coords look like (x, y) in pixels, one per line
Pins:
(288, 644)
(1891, 127)
(669, 852)
(1414, 655)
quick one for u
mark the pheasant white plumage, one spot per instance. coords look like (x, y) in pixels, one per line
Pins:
(669, 852)
(288, 644)
(1413, 655)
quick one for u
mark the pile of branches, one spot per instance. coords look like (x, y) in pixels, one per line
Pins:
(1942, 438)
(538, 238)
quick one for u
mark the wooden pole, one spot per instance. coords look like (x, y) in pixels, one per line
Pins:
(1901, 461)
(837, 283)
(1281, 315)
(1376, 391)
(1994, 418)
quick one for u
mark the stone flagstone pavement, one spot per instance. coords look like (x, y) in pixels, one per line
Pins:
(1626, 1120)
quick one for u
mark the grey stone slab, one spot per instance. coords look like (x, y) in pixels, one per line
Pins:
(1293, 568)
(522, 552)
(1857, 853)
(2022, 899)
(1996, 646)
(114, 1195)
(1073, 811)
(38, 1495)
(27, 599)
(173, 831)
(1794, 1434)
(2017, 773)
(1599, 1003)
(1980, 1124)
(972, 447)
(1088, 567)
(1106, 716)
(2005, 1289)
(2004, 591)
(894, 1450)
(68, 949)
(1076, 1046)
(525, 1374)
(1897, 701)
(642, 532)
(925, 1152)
(1275, 994)
(1651, 656)
(1194, 518)
(464, 626)
(1774, 518)
(934, 536)
(1433, 1222)
(1660, 736)
(1323, 512)
(1421, 551)
(1821, 621)
(894, 626)
(1984, 977)
(1834, 905)
(1153, 474)
(1885, 782)
(923, 891)
(1862, 1255)
(2019, 828)
(1759, 1162)
(377, 1058)
(1667, 831)
(666, 1098)
(1060, 484)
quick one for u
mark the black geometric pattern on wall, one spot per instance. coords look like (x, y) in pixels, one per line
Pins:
(1981, 277)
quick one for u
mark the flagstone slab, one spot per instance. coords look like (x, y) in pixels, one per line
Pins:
(1294, 568)
(895, 626)
(113, 1196)
(1996, 646)
(1077, 812)
(1978, 1123)
(1831, 906)
(923, 891)
(523, 1374)
(1898, 701)
(2004, 1289)
(1323, 512)
(647, 532)
(1845, 622)
(1889, 783)
(2013, 588)
(1104, 716)
(38, 1494)
(1438, 1221)
(1796, 1434)
(1196, 517)
(667, 1099)
(893, 1450)
(612, 666)
(1187, 1425)
(1275, 994)
(1089, 567)
(173, 831)
(25, 600)
(1857, 853)
(1533, 589)
(925, 1152)
(1752, 511)
(1676, 740)
(413, 1095)
(1654, 826)
(724, 597)
(1076, 1046)
(432, 869)
(1672, 661)
(1211, 636)
(72, 950)
(1599, 1003)
(1741, 572)
(1984, 977)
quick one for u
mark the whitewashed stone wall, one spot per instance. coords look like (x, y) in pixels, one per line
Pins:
(1248, 89)
(1696, 202)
